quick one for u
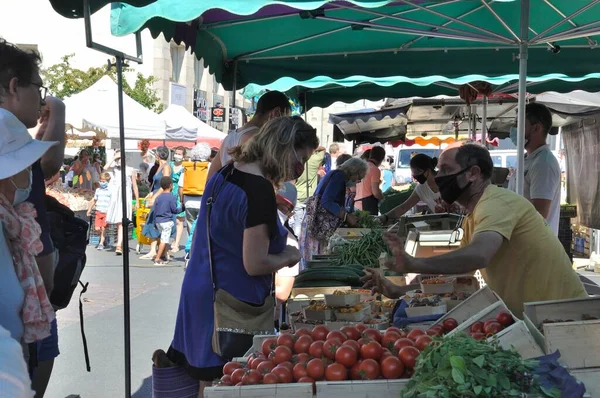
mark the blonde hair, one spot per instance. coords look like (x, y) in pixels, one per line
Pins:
(274, 147)
(106, 176)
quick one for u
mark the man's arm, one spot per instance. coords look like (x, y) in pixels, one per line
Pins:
(52, 128)
(542, 206)
(544, 180)
(476, 255)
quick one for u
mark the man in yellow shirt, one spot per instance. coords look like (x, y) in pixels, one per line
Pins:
(518, 254)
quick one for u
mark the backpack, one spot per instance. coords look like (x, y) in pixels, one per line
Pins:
(195, 178)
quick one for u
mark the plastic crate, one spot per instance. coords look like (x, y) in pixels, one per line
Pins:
(568, 211)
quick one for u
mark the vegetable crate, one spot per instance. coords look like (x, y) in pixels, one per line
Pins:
(257, 343)
(477, 302)
(361, 389)
(315, 293)
(578, 340)
(291, 390)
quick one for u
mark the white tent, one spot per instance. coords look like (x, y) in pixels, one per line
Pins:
(97, 109)
(182, 125)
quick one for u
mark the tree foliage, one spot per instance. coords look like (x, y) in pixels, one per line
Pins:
(63, 80)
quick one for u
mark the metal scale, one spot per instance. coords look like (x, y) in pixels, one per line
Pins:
(431, 234)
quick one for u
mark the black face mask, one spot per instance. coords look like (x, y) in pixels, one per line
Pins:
(450, 191)
(421, 179)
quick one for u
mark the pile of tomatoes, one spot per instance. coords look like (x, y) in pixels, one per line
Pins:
(352, 353)
(479, 330)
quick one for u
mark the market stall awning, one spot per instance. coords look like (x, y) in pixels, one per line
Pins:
(183, 126)
(97, 108)
(74, 8)
(260, 41)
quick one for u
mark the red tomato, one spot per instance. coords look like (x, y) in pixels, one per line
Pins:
(361, 327)
(265, 367)
(346, 356)
(352, 343)
(386, 353)
(389, 338)
(270, 378)
(369, 369)
(364, 340)
(319, 333)
(251, 378)
(301, 358)
(492, 328)
(286, 340)
(438, 327)
(239, 384)
(269, 345)
(336, 372)
(226, 380)
(449, 324)
(302, 332)
(403, 342)
(282, 354)
(393, 329)
(302, 344)
(330, 347)
(478, 336)
(230, 367)
(350, 332)
(373, 334)
(408, 356)
(299, 371)
(422, 342)
(488, 322)
(372, 350)
(408, 373)
(253, 364)
(306, 379)
(288, 365)
(236, 376)
(505, 319)
(285, 375)
(392, 368)
(316, 349)
(315, 369)
(337, 335)
(433, 332)
(477, 327)
(355, 371)
(415, 334)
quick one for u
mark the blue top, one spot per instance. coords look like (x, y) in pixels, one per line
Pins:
(242, 201)
(11, 292)
(102, 198)
(36, 197)
(156, 179)
(332, 189)
(165, 207)
(388, 178)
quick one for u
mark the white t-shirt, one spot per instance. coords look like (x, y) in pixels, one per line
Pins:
(14, 378)
(427, 196)
(231, 141)
(542, 181)
(190, 202)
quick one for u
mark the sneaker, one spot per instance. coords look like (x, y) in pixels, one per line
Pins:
(100, 247)
(160, 263)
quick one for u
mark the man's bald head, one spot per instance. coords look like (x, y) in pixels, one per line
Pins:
(462, 155)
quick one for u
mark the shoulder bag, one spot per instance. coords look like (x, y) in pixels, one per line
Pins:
(321, 224)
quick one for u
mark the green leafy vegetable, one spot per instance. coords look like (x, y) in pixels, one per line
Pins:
(366, 220)
(364, 251)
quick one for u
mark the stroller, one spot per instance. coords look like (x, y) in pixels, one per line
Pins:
(188, 245)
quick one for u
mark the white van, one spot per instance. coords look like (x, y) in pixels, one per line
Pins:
(403, 174)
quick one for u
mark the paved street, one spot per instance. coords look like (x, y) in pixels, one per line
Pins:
(154, 300)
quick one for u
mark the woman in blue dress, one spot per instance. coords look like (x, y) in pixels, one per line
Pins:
(248, 242)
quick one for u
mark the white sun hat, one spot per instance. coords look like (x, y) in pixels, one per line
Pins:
(18, 150)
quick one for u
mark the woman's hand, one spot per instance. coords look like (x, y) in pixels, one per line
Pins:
(352, 220)
(378, 284)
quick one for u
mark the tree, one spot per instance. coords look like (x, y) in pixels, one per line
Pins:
(63, 80)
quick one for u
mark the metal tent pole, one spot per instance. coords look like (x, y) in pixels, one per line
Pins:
(474, 123)
(484, 122)
(470, 125)
(522, 95)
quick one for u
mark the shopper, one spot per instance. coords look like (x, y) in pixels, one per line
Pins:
(247, 242)
(270, 105)
(284, 278)
(326, 209)
(114, 214)
(165, 212)
(335, 151)
(306, 185)
(177, 170)
(542, 170)
(163, 169)
(101, 201)
(519, 256)
(192, 182)
(423, 171)
(85, 171)
(368, 191)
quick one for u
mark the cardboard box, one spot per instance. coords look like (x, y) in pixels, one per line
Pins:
(518, 337)
(361, 389)
(441, 288)
(578, 341)
(359, 316)
(478, 301)
(413, 312)
(318, 315)
(291, 390)
(487, 313)
(315, 293)
(339, 300)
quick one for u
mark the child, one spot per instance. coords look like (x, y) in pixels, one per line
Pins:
(101, 201)
(165, 210)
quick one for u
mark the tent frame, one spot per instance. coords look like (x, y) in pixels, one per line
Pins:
(120, 58)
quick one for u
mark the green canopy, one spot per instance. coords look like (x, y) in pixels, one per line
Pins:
(322, 91)
(74, 8)
(259, 41)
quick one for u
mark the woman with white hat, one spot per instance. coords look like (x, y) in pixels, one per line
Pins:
(26, 311)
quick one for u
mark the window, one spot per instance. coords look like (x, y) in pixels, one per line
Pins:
(198, 72)
(177, 55)
(497, 161)
(511, 161)
(406, 155)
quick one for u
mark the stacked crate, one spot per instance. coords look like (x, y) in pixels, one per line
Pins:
(565, 232)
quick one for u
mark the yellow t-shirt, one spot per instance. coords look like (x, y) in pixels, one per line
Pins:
(531, 264)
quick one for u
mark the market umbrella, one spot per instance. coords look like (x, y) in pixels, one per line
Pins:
(74, 8)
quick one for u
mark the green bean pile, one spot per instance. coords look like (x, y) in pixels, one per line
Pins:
(364, 251)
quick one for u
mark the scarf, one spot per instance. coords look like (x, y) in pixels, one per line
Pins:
(23, 239)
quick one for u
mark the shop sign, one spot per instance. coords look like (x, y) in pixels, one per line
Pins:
(217, 114)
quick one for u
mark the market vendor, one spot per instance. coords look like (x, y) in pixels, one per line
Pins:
(505, 238)
(85, 170)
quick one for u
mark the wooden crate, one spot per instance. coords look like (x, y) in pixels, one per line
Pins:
(489, 312)
(578, 341)
(477, 302)
(518, 337)
(291, 390)
(361, 389)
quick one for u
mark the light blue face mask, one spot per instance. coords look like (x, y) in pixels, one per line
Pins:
(351, 184)
(103, 184)
(22, 194)
(514, 133)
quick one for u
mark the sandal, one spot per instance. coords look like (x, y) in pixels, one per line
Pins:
(160, 263)
(148, 256)
(118, 251)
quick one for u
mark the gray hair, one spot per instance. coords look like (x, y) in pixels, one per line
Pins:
(200, 152)
(354, 166)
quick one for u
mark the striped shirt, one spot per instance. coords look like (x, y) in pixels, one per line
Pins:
(102, 198)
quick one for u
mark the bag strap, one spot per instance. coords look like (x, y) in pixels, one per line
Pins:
(85, 347)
